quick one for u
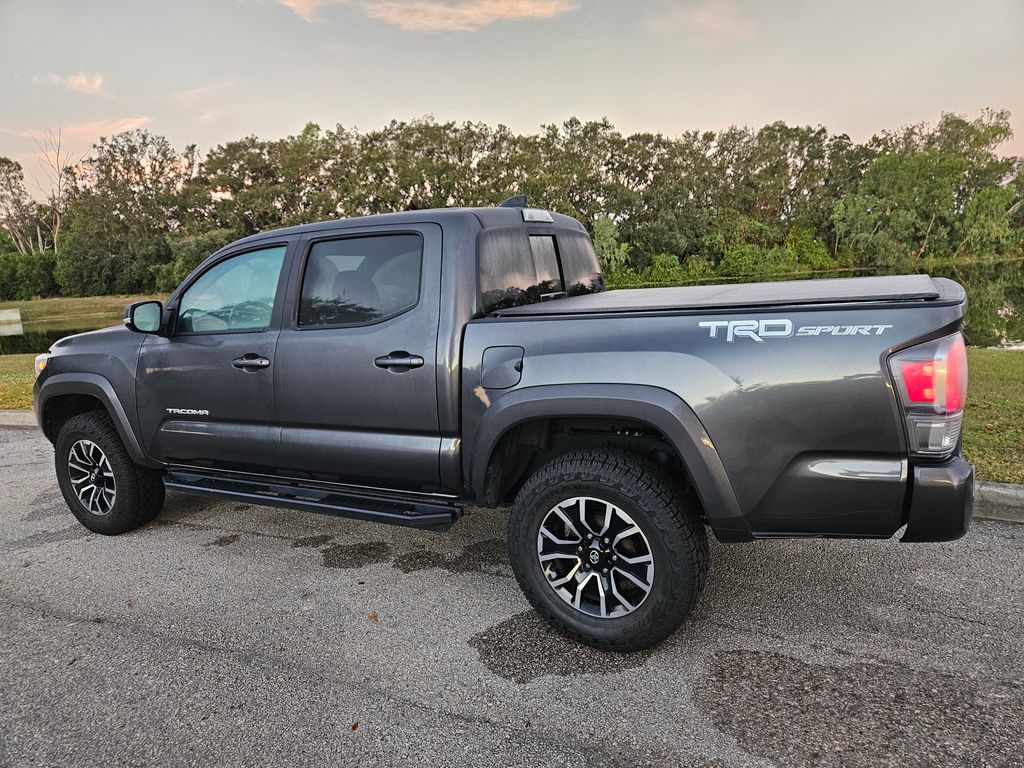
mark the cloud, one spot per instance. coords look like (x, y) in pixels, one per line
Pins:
(93, 130)
(440, 15)
(710, 23)
(85, 132)
(304, 8)
(206, 102)
(83, 82)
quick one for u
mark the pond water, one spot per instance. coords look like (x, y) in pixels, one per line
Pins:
(30, 341)
(995, 310)
(995, 300)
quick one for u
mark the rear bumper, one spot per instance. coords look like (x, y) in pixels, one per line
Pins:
(941, 497)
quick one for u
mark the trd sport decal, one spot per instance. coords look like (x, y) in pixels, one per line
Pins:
(781, 328)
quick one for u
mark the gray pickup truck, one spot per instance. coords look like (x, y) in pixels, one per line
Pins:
(396, 367)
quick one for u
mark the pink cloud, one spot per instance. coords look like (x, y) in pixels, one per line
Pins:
(84, 132)
(710, 22)
(305, 9)
(440, 15)
(83, 82)
(93, 130)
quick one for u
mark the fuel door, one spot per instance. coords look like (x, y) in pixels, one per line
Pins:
(501, 367)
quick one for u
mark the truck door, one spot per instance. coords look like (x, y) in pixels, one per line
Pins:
(205, 392)
(355, 375)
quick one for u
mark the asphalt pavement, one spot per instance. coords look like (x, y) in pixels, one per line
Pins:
(229, 634)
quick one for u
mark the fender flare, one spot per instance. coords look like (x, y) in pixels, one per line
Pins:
(654, 406)
(93, 385)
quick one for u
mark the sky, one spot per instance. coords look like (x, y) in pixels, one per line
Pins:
(209, 71)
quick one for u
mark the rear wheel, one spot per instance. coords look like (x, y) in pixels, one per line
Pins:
(103, 487)
(606, 548)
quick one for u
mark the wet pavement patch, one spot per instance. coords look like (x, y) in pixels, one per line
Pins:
(864, 714)
(481, 556)
(44, 505)
(48, 537)
(186, 504)
(226, 540)
(312, 542)
(523, 648)
(356, 555)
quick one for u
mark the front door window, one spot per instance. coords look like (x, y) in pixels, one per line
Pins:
(235, 295)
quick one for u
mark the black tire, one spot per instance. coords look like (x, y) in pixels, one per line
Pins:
(674, 536)
(138, 492)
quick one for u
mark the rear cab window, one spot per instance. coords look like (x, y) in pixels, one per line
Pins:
(518, 266)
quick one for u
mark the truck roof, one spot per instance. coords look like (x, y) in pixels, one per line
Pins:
(476, 218)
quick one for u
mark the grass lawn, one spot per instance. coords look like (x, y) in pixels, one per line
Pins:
(73, 312)
(16, 378)
(993, 423)
(994, 418)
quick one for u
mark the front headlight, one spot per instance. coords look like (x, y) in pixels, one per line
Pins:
(41, 363)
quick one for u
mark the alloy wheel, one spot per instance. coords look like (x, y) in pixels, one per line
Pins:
(595, 557)
(92, 477)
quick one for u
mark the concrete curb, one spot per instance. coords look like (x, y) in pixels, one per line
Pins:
(992, 501)
(17, 419)
(999, 501)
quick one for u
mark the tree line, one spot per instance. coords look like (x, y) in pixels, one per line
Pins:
(136, 214)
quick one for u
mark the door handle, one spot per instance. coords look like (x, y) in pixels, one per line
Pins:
(251, 362)
(399, 362)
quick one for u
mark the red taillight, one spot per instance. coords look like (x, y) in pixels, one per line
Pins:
(935, 374)
(956, 375)
(932, 382)
(919, 378)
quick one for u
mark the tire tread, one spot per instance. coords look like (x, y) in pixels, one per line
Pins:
(638, 478)
(140, 492)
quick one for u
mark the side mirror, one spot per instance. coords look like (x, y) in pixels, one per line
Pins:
(143, 316)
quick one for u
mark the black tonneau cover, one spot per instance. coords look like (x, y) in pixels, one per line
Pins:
(834, 291)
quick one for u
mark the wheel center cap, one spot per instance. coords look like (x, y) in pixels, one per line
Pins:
(594, 556)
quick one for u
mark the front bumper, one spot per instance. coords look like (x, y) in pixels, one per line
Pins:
(941, 498)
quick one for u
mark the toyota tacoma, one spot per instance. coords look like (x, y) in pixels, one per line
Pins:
(398, 367)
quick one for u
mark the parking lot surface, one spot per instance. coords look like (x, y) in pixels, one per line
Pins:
(230, 634)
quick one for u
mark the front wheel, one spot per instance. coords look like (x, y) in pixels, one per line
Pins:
(103, 487)
(607, 550)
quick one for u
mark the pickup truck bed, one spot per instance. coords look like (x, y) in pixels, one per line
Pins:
(854, 290)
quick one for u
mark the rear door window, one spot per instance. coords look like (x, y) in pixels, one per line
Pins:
(360, 279)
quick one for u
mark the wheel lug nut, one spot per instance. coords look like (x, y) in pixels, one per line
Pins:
(606, 540)
(604, 571)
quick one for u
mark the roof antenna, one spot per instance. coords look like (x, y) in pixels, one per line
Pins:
(516, 201)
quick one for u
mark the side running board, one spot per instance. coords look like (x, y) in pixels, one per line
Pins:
(414, 513)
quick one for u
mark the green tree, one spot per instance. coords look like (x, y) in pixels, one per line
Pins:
(612, 255)
(739, 203)
(128, 196)
(18, 214)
